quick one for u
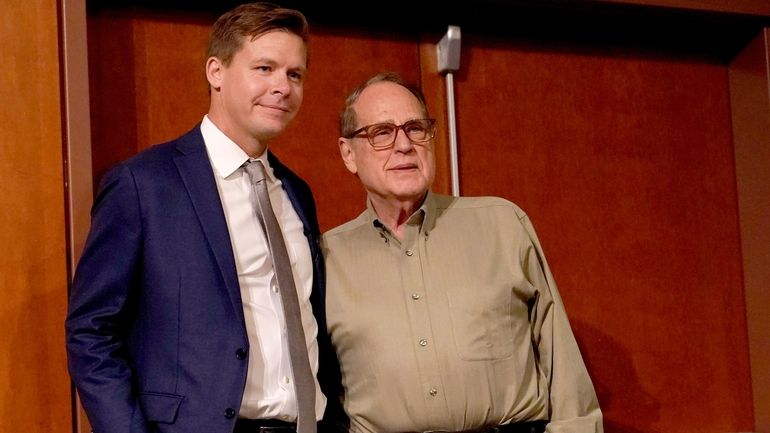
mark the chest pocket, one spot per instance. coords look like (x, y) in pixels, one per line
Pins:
(482, 322)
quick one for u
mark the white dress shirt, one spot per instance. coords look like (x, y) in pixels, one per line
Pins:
(269, 391)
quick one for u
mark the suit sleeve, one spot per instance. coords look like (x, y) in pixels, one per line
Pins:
(100, 308)
(573, 406)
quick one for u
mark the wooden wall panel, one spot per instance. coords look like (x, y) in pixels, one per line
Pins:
(147, 79)
(750, 97)
(758, 7)
(624, 162)
(36, 395)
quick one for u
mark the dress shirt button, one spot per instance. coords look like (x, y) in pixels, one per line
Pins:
(286, 380)
(240, 353)
(415, 296)
(423, 342)
(409, 253)
(433, 392)
(229, 413)
(275, 288)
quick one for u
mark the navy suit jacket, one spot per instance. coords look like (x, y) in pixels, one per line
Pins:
(155, 329)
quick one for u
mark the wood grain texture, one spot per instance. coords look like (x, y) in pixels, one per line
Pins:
(147, 80)
(33, 266)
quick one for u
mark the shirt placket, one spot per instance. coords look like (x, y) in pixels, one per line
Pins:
(414, 292)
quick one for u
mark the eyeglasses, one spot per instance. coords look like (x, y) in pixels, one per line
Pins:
(383, 135)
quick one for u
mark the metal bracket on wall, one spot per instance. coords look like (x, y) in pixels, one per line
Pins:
(448, 52)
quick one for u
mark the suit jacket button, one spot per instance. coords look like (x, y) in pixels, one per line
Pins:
(229, 413)
(240, 354)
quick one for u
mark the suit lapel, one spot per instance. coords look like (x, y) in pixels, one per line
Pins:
(198, 177)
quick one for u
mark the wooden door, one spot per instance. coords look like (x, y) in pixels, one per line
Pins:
(621, 154)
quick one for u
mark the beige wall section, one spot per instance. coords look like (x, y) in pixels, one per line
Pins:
(34, 384)
(749, 84)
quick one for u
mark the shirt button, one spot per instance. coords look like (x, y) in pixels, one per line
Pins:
(229, 413)
(409, 253)
(286, 380)
(433, 392)
(423, 342)
(415, 296)
(240, 353)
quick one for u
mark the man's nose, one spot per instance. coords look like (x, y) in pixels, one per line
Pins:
(402, 143)
(280, 84)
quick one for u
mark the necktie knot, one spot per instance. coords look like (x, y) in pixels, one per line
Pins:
(256, 171)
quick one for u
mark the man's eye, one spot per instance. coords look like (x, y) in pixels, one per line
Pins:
(380, 130)
(414, 128)
(295, 76)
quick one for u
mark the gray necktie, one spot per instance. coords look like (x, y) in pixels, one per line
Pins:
(304, 384)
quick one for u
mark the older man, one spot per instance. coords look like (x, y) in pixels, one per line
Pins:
(442, 310)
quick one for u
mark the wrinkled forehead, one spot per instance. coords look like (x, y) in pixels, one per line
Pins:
(387, 102)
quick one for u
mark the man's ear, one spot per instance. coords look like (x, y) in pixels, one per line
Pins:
(347, 154)
(214, 69)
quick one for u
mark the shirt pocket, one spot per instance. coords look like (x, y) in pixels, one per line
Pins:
(482, 323)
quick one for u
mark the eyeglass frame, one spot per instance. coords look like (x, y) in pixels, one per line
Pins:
(431, 134)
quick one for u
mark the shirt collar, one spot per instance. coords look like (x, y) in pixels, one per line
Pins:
(425, 215)
(227, 157)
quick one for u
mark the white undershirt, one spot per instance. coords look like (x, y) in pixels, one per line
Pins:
(269, 391)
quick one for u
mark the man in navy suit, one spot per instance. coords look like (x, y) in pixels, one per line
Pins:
(174, 321)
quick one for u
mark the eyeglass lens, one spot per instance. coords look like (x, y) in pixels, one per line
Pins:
(384, 134)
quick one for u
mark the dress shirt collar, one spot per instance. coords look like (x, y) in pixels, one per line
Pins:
(424, 216)
(226, 156)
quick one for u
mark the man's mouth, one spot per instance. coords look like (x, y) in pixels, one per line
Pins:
(404, 167)
(276, 107)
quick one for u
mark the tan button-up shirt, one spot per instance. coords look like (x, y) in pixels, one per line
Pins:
(457, 326)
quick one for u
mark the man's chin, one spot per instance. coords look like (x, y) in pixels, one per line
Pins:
(268, 133)
(411, 195)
